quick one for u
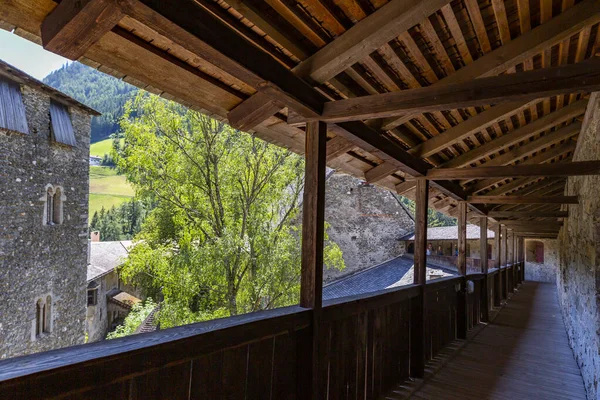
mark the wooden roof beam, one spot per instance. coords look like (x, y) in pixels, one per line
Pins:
(510, 171)
(75, 25)
(526, 214)
(526, 85)
(524, 47)
(523, 199)
(362, 39)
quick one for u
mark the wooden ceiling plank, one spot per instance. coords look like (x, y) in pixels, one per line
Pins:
(529, 85)
(75, 25)
(478, 25)
(555, 169)
(563, 26)
(529, 130)
(523, 199)
(456, 32)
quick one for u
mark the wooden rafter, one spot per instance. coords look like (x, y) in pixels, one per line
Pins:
(526, 214)
(555, 169)
(523, 199)
(527, 85)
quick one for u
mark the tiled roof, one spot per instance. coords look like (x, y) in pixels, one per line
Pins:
(393, 273)
(450, 233)
(105, 257)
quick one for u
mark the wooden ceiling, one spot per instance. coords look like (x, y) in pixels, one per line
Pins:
(330, 50)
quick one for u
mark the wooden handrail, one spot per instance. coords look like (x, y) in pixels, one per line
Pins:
(345, 306)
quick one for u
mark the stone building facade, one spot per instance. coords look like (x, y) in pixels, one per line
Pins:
(541, 260)
(43, 217)
(366, 221)
(109, 299)
(578, 278)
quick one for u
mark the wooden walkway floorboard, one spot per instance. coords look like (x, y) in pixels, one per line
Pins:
(522, 354)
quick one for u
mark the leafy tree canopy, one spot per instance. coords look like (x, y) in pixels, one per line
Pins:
(434, 218)
(225, 236)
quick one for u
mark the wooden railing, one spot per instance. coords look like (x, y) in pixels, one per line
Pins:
(364, 345)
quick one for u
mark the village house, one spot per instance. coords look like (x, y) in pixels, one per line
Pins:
(109, 299)
(44, 147)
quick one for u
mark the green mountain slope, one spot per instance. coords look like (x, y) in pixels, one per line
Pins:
(102, 92)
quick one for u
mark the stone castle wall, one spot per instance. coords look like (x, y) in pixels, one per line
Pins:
(578, 278)
(36, 259)
(366, 221)
(541, 272)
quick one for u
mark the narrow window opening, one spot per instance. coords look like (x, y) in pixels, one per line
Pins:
(49, 207)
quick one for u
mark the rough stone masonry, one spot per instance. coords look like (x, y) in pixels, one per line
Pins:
(578, 277)
(40, 261)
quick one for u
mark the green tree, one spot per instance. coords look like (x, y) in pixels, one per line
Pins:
(224, 238)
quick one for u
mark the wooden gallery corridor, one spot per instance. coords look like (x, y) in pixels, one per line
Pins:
(523, 353)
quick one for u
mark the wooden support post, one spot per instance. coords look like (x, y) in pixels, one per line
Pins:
(461, 306)
(313, 225)
(417, 324)
(505, 262)
(483, 224)
(498, 278)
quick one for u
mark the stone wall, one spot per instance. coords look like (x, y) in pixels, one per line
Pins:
(578, 278)
(38, 260)
(541, 272)
(367, 223)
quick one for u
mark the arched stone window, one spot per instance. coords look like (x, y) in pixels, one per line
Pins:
(49, 208)
(43, 316)
(53, 199)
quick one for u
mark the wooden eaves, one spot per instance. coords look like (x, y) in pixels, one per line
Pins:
(247, 51)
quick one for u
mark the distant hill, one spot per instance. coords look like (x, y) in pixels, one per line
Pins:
(96, 89)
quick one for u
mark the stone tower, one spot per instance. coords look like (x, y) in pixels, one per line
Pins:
(44, 179)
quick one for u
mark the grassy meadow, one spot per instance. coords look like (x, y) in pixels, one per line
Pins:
(107, 189)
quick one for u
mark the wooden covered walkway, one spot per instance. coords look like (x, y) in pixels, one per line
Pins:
(522, 354)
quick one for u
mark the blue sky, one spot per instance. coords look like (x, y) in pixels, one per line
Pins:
(28, 56)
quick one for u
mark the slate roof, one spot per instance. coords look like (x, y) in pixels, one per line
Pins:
(450, 233)
(105, 257)
(393, 273)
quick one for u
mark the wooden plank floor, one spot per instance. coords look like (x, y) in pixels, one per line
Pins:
(522, 354)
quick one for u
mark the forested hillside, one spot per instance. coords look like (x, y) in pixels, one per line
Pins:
(98, 90)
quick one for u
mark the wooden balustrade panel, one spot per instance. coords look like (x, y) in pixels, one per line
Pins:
(365, 353)
(440, 322)
(252, 356)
